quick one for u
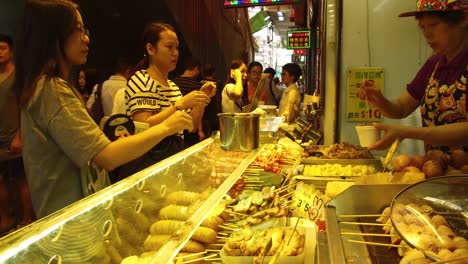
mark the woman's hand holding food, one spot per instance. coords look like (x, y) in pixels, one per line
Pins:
(209, 88)
(177, 122)
(192, 100)
(369, 92)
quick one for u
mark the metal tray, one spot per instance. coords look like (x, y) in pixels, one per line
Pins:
(356, 200)
(317, 161)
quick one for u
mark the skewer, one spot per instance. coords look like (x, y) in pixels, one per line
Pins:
(364, 215)
(291, 170)
(368, 224)
(292, 234)
(448, 260)
(229, 225)
(376, 244)
(213, 259)
(284, 188)
(287, 195)
(366, 234)
(232, 212)
(217, 245)
(213, 250)
(191, 255)
(198, 259)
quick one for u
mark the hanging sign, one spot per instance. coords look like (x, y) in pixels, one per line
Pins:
(298, 39)
(246, 3)
(357, 109)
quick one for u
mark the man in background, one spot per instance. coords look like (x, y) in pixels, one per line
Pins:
(117, 81)
(188, 82)
(15, 201)
(210, 116)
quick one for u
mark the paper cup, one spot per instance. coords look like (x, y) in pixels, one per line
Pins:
(367, 135)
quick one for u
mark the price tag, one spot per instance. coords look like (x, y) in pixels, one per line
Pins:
(307, 202)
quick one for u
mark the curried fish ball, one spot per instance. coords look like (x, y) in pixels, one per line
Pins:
(438, 220)
(444, 230)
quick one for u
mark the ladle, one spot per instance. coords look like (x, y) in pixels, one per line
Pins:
(433, 215)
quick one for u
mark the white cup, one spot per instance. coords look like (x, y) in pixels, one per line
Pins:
(367, 135)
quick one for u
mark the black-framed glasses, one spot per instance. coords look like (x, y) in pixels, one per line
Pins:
(84, 32)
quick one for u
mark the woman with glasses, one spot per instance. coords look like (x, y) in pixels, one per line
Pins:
(59, 137)
(255, 69)
(291, 99)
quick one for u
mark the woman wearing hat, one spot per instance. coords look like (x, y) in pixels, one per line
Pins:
(439, 87)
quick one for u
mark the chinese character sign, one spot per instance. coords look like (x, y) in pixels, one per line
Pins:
(357, 109)
(298, 39)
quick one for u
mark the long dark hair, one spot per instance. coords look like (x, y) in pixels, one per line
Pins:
(236, 64)
(45, 26)
(151, 34)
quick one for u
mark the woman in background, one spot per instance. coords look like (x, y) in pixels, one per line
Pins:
(233, 97)
(254, 70)
(291, 99)
(59, 138)
(82, 88)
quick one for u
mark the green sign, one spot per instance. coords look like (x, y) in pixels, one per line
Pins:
(298, 39)
(258, 21)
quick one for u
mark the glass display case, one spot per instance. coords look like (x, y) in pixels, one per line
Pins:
(115, 223)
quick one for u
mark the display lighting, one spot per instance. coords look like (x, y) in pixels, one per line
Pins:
(245, 3)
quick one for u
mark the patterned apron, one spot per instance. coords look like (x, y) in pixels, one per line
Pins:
(443, 103)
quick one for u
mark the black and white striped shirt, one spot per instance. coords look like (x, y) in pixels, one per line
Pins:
(143, 93)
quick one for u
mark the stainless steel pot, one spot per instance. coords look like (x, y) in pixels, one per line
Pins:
(239, 131)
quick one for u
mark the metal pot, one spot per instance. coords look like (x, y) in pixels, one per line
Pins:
(239, 131)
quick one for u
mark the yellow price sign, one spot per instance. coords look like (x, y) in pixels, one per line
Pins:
(306, 203)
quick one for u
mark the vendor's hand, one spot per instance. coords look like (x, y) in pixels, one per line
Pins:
(193, 99)
(369, 92)
(178, 121)
(390, 133)
(209, 88)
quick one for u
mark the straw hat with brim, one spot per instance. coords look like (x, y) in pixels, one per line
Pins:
(437, 5)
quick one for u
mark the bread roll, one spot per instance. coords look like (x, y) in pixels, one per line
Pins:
(155, 242)
(182, 198)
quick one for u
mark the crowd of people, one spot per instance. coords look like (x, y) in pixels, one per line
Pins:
(59, 138)
(61, 105)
